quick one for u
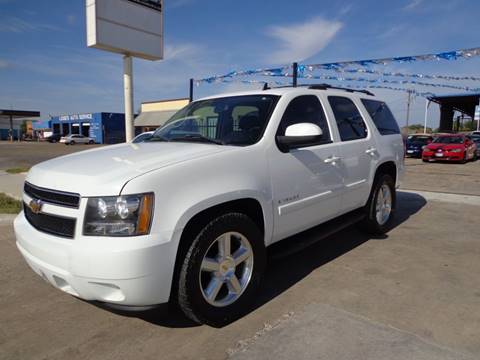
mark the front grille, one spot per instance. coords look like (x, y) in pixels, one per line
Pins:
(52, 196)
(50, 224)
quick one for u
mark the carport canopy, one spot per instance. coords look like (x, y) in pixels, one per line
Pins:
(11, 115)
(154, 118)
(464, 103)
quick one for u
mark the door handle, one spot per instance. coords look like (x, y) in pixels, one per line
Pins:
(371, 151)
(332, 160)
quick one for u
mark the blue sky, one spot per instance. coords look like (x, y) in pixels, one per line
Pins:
(45, 64)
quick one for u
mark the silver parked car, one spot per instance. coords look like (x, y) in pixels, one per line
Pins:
(76, 139)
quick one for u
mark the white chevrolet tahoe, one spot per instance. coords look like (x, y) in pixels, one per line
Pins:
(187, 216)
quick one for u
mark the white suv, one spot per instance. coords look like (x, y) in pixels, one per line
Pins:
(187, 216)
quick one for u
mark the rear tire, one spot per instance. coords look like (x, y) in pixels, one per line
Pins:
(72, 142)
(216, 286)
(380, 208)
(91, 142)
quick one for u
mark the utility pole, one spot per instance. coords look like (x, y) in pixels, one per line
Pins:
(409, 101)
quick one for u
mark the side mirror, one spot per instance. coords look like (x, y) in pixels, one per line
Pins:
(299, 135)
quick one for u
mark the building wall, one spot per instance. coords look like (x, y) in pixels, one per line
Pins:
(114, 128)
(104, 128)
(176, 104)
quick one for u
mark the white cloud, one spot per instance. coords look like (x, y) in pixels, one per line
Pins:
(301, 41)
(413, 4)
(71, 19)
(17, 25)
(344, 10)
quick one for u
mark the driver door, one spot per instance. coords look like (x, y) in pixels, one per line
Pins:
(306, 182)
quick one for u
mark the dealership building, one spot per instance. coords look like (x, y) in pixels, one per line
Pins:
(104, 128)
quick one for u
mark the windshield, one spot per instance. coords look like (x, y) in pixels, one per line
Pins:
(418, 139)
(236, 120)
(449, 140)
(142, 137)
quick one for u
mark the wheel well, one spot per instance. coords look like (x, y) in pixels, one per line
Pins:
(249, 207)
(388, 168)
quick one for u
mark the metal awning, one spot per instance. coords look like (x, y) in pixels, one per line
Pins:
(12, 115)
(154, 118)
(464, 103)
(17, 114)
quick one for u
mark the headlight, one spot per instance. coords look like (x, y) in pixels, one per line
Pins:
(456, 150)
(126, 215)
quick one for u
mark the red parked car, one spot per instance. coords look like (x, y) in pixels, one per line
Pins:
(450, 148)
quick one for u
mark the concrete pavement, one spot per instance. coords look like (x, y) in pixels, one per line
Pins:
(412, 295)
(12, 184)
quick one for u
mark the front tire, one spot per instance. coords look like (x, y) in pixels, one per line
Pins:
(222, 270)
(380, 208)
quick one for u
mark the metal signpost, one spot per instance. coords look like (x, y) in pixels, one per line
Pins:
(133, 28)
(477, 116)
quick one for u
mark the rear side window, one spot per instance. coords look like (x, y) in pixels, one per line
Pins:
(349, 121)
(382, 117)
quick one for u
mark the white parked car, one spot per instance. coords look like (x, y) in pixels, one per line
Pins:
(76, 139)
(187, 216)
(143, 137)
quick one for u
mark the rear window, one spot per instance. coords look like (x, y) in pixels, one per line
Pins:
(382, 117)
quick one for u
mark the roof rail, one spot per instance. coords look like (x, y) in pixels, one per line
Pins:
(321, 87)
(328, 86)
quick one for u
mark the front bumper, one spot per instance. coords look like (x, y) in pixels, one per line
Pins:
(414, 152)
(445, 156)
(126, 271)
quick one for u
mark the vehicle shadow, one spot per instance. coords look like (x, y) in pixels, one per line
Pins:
(285, 271)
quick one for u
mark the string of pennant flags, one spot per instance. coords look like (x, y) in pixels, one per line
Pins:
(363, 67)
(387, 81)
(349, 86)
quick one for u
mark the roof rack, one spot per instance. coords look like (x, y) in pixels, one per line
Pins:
(321, 87)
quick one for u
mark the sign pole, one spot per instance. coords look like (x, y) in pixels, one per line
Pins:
(128, 94)
(427, 103)
(477, 116)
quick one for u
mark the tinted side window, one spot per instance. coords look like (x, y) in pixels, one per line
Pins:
(305, 109)
(382, 117)
(349, 121)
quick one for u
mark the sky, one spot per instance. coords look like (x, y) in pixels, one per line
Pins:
(45, 64)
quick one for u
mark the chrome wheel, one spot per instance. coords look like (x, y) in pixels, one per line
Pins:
(383, 206)
(226, 269)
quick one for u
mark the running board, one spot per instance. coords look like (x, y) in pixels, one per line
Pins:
(301, 241)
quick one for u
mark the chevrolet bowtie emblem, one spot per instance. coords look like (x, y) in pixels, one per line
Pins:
(35, 205)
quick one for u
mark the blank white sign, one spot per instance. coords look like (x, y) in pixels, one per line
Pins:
(130, 27)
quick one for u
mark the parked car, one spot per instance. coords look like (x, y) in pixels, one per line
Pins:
(142, 137)
(187, 216)
(456, 147)
(76, 139)
(416, 143)
(54, 138)
(476, 140)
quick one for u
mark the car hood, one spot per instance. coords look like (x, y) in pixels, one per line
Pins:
(105, 171)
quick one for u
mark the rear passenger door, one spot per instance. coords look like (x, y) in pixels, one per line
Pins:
(357, 151)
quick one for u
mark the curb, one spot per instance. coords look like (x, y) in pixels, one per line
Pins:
(7, 218)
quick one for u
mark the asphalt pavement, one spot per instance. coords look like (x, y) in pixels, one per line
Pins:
(413, 294)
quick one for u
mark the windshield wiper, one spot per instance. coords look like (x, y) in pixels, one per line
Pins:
(198, 138)
(158, 138)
